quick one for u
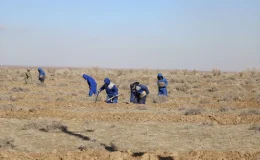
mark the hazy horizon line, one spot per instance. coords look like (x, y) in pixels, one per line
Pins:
(117, 68)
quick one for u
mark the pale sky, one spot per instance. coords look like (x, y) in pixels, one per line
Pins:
(158, 34)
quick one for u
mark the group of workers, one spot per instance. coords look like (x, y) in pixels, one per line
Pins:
(138, 91)
(28, 76)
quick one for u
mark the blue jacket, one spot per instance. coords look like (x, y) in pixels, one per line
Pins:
(110, 88)
(162, 80)
(91, 81)
(137, 91)
(41, 72)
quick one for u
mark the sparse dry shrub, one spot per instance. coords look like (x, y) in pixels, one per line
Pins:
(74, 94)
(232, 78)
(194, 71)
(131, 71)
(4, 97)
(173, 72)
(197, 96)
(225, 109)
(204, 100)
(75, 81)
(182, 87)
(41, 85)
(257, 79)
(82, 148)
(142, 108)
(22, 75)
(196, 86)
(62, 85)
(19, 89)
(159, 99)
(232, 96)
(213, 89)
(257, 97)
(250, 112)
(7, 143)
(44, 125)
(250, 73)
(9, 107)
(192, 79)
(216, 72)
(66, 73)
(145, 80)
(124, 86)
(63, 71)
(185, 72)
(51, 72)
(120, 73)
(253, 72)
(13, 98)
(241, 74)
(193, 111)
(177, 80)
(207, 76)
(60, 99)
(249, 81)
(207, 123)
(255, 128)
(83, 92)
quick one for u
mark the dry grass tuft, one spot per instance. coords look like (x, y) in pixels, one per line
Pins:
(82, 148)
(13, 98)
(62, 85)
(142, 108)
(45, 126)
(216, 72)
(232, 96)
(225, 109)
(9, 107)
(213, 89)
(183, 87)
(193, 111)
(159, 99)
(255, 128)
(19, 89)
(7, 143)
(207, 123)
(60, 99)
(250, 112)
(204, 100)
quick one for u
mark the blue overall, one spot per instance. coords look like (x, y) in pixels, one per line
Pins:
(92, 84)
(135, 94)
(162, 90)
(111, 91)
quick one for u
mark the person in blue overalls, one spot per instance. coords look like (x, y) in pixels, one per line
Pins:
(162, 85)
(91, 83)
(138, 93)
(41, 75)
(111, 90)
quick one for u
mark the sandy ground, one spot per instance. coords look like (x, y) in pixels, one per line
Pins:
(57, 120)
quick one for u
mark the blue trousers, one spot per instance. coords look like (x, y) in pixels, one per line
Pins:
(140, 100)
(93, 90)
(162, 92)
(114, 100)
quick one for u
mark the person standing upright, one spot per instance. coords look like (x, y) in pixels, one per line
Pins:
(162, 85)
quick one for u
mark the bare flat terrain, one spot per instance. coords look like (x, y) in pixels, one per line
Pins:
(208, 115)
